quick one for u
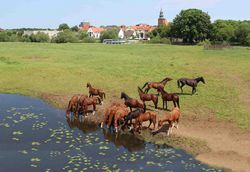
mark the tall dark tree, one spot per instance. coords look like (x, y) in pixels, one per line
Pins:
(109, 34)
(63, 26)
(192, 25)
(74, 29)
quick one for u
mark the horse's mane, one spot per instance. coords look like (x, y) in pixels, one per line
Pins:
(126, 95)
(165, 79)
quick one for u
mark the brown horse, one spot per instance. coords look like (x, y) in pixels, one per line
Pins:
(72, 106)
(155, 85)
(147, 116)
(89, 101)
(110, 112)
(148, 97)
(171, 118)
(190, 82)
(96, 92)
(120, 114)
(132, 103)
(168, 97)
(80, 103)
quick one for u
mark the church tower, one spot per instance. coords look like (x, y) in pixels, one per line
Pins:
(161, 20)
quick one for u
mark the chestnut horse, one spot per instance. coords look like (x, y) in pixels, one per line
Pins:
(96, 92)
(148, 97)
(156, 84)
(132, 115)
(190, 82)
(147, 116)
(72, 106)
(132, 103)
(171, 118)
(80, 103)
(120, 114)
(87, 102)
(168, 97)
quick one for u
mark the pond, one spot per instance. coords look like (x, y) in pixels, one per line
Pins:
(36, 137)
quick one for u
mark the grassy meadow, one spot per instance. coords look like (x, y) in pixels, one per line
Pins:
(64, 69)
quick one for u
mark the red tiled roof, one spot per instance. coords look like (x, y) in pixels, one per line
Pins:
(97, 29)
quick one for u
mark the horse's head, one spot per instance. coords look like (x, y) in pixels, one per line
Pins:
(202, 80)
(88, 85)
(139, 90)
(122, 95)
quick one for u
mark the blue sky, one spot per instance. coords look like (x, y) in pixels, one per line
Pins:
(51, 13)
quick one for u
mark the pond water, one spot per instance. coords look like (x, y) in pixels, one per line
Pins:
(37, 137)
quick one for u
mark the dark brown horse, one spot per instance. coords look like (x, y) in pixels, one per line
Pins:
(155, 85)
(96, 92)
(148, 97)
(132, 103)
(72, 106)
(190, 82)
(168, 97)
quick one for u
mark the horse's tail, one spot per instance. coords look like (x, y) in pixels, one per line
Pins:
(178, 83)
(145, 85)
(99, 99)
(144, 107)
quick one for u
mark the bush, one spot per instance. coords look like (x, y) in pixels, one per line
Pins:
(4, 37)
(39, 37)
(109, 34)
(248, 40)
(65, 36)
(89, 40)
(158, 40)
(206, 42)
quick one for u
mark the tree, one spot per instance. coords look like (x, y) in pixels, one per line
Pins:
(63, 26)
(65, 36)
(82, 34)
(4, 36)
(242, 32)
(191, 25)
(74, 29)
(160, 31)
(109, 34)
(39, 37)
(223, 30)
(247, 41)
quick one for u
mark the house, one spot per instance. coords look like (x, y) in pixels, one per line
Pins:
(95, 32)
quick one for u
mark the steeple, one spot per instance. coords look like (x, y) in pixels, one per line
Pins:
(161, 14)
(161, 20)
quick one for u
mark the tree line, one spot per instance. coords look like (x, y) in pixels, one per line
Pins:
(191, 26)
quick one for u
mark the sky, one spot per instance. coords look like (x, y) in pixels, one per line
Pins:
(51, 13)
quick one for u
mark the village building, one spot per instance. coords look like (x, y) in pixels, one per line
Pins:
(95, 32)
(161, 20)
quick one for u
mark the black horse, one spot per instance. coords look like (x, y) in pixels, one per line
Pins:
(132, 115)
(190, 82)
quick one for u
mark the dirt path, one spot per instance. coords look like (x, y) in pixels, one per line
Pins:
(230, 146)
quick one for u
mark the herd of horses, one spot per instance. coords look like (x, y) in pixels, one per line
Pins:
(120, 117)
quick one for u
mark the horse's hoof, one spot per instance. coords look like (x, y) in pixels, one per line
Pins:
(93, 113)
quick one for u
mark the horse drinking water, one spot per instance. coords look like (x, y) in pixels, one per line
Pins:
(190, 82)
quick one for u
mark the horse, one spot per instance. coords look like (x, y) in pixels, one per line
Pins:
(96, 92)
(80, 103)
(148, 97)
(119, 116)
(89, 101)
(171, 118)
(132, 103)
(190, 82)
(132, 115)
(72, 106)
(110, 112)
(156, 84)
(147, 116)
(168, 97)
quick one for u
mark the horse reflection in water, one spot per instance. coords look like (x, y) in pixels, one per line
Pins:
(84, 125)
(126, 140)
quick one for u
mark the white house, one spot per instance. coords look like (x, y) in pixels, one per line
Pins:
(95, 32)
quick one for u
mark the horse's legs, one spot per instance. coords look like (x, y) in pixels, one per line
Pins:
(174, 103)
(94, 108)
(130, 109)
(162, 104)
(182, 85)
(150, 121)
(166, 105)
(177, 121)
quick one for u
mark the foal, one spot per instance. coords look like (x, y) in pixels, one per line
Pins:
(132, 103)
(148, 97)
(96, 92)
(72, 106)
(190, 82)
(171, 117)
(168, 97)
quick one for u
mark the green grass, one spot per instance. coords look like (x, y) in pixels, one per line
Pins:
(34, 69)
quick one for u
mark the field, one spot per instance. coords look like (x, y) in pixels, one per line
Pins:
(217, 114)
(64, 69)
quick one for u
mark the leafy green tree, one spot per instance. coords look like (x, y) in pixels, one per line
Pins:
(39, 37)
(83, 34)
(247, 41)
(63, 26)
(191, 25)
(223, 30)
(242, 32)
(109, 34)
(66, 36)
(4, 36)
(160, 31)
(74, 29)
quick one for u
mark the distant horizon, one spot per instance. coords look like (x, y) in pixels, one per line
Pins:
(38, 14)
